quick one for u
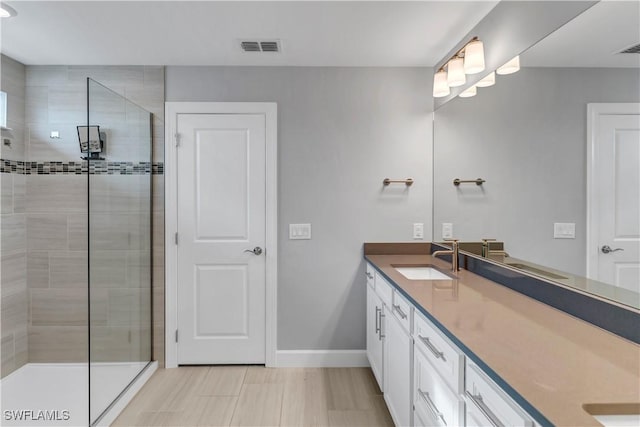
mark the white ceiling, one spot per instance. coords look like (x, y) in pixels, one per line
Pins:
(593, 39)
(326, 33)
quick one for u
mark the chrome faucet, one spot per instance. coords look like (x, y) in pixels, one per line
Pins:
(453, 252)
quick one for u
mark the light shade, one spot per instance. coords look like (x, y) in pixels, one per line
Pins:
(510, 67)
(488, 80)
(455, 72)
(469, 92)
(7, 11)
(440, 86)
(474, 57)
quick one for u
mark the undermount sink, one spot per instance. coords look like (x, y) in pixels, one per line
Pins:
(421, 272)
(619, 420)
(615, 415)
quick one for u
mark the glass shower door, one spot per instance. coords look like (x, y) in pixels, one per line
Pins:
(118, 150)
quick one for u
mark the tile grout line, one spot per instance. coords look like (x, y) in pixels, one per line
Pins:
(282, 403)
(235, 407)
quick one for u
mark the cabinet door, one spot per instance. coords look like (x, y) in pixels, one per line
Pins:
(435, 403)
(397, 371)
(374, 337)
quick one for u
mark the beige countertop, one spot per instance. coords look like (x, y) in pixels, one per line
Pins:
(554, 361)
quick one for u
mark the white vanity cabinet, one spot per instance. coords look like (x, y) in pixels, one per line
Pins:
(375, 340)
(438, 377)
(488, 404)
(445, 357)
(435, 404)
(389, 345)
(425, 378)
(397, 360)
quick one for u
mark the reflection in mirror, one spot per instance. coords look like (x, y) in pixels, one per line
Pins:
(558, 144)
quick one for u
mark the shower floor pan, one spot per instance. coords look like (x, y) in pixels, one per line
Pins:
(62, 390)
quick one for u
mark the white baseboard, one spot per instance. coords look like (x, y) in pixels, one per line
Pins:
(115, 410)
(321, 359)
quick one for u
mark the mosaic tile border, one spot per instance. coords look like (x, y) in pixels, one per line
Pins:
(96, 167)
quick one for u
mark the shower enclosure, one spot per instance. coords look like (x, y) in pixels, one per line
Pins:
(88, 228)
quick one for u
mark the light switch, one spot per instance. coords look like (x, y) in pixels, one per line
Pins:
(564, 230)
(418, 231)
(54, 134)
(447, 230)
(299, 231)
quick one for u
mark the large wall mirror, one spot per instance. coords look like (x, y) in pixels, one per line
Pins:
(558, 145)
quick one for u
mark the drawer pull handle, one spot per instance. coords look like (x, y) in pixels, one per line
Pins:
(437, 353)
(369, 275)
(400, 312)
(479, 402)
(378, 311)
(380, 334)
(432, 407)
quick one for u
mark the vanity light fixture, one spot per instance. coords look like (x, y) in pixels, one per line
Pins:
(488, 80)
(7, 11)
(468, 60)
(440, 86)
(510, 67)
(469, 92)
(455, 72)
(474, 57)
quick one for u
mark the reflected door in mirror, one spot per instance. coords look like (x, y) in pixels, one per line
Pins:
(616, 179)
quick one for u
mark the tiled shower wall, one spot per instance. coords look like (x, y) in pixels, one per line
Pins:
(56, 219)
(13, 257)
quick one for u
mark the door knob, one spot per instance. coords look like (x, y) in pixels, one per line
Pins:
(607, 249)
(256, 251)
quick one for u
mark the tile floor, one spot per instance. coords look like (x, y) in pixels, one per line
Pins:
(258, 396)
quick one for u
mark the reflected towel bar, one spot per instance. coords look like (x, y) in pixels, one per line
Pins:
(459, 181)
(406, 182)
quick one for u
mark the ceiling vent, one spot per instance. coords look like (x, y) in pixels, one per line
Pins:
(260, 45)
(632, 49)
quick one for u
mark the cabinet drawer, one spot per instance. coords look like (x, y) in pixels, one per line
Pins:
(401, 310)
(384, 289)
(443, 355)
(370, 273)
(491, 401)
(435, 404)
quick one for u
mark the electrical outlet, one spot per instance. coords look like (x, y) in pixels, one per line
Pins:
(447, 230)
(418, 231)
(299, 231)
(564, 230)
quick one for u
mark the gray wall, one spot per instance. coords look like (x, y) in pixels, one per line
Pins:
(341, 131)
(13, 259)
(527, 136)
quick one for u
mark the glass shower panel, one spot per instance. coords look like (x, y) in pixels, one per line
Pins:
(118, 149)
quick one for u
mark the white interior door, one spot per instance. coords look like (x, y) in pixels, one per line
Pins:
(221, 219)
(616, 201)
